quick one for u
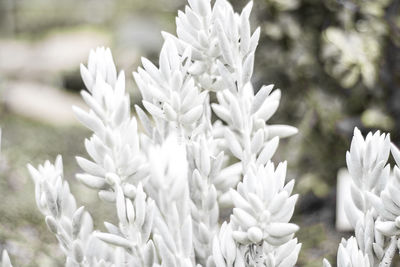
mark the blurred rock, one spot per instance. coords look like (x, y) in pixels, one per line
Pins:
(42, 102)
(32, 17)
(44, 59)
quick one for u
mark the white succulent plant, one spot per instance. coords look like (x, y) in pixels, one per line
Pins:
(72, 226)
(349, 255)
(263, 207)
(170, 182)
(374, 206)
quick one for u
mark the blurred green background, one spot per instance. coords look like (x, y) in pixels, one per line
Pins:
(336, 61)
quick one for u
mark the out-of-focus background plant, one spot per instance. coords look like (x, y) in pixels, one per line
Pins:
(337, 62)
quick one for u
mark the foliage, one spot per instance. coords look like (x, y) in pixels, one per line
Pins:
(338, 64)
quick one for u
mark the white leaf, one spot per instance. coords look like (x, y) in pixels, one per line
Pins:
(217, 255)
(227, 77)
(282, 131)
(140, 206)
(233, 144)
(326, 263)
(357, 197)
(254, 39)
(91, 181)
(267, 109)
(114, 240)
(91, 102)
(77, 221)
(292, 258)
(107, 195)
(170, 113)
(149, 254)
(151, 70)
(378, 250)
(121, 114)
(205, 164)
(153, 109)
(111, 75)
(89, 120)
(277, 202)
(236, 114)
(277, 241)
(167, 257)
(176, 81)
(248, 67)
(254, 234)
(130, 211)
(268, 151)
(395, 154)
(187, 238)
(51, 224)
(119, 87)
(35, 174)
(144, 120)
(121, 205)
(77, 251)
(277, 229)
(204, 7)
(239, 201)
(245, 29)
(224, 44)
(221, 112)
(192, 115)
(257, 141)
(244, 218)
(387, 228)
(5, 259)
(50, 199)
(260, 97)
(86, 77)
